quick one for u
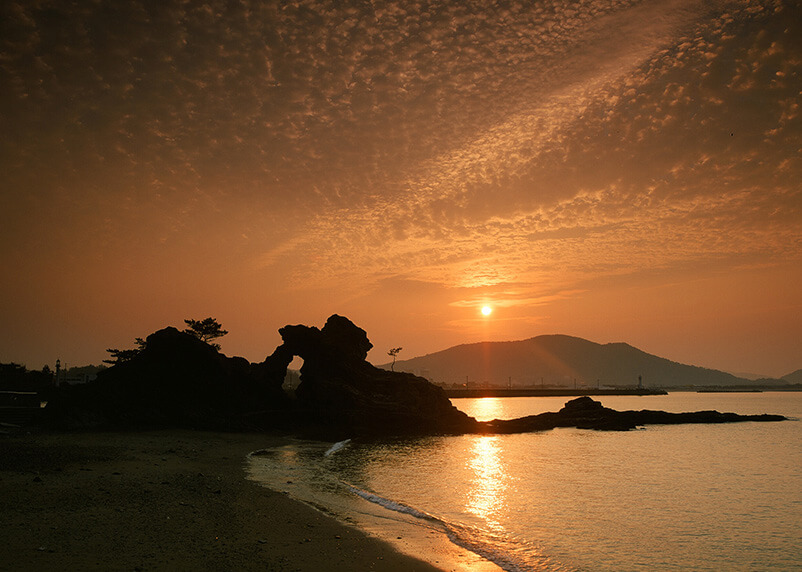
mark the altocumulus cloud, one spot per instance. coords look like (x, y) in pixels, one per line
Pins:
(677, 146)
(549, 141)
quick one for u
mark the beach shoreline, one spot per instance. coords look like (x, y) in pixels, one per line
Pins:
(167, 499)
(298, 469)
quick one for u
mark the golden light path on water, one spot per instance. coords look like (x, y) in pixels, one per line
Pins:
(486, 494)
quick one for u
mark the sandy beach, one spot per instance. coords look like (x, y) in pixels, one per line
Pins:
(163, 500)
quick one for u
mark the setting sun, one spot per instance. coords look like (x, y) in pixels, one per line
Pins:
(486, 310)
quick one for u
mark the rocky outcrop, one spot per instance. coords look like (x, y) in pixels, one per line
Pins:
(176, 380)
(340, 389)
(180, 381)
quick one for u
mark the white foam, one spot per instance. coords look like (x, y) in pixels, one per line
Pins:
(499, 551)
(391, 504)
(336, 447)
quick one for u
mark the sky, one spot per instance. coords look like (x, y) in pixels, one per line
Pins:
(618, 170)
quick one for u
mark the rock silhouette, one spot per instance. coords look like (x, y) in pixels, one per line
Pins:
(178, 380)
(587, 413)
(340, 388)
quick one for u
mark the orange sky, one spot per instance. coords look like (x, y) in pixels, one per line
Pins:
(614, 170)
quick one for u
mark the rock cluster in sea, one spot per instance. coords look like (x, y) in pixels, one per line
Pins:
(178, 380)
(587, 413)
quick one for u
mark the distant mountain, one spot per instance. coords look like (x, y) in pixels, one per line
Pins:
(559, 360)
(794, 377)
(749, 375)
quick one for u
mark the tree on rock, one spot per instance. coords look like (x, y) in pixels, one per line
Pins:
(393, 353)
(122, 356)
(206, 330)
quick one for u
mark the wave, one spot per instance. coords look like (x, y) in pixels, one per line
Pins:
(391, 504)
(336, 447)
(509, 555)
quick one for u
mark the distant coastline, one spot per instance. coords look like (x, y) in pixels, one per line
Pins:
(741, 389)
(570, 392)
(553, 392)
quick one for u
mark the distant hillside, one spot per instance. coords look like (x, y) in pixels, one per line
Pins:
(749, 375)
(795, 377)
(559, 360)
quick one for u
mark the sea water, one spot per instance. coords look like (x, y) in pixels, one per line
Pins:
(682, 497)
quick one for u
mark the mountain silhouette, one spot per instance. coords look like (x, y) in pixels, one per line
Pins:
(793, 377)
(559, 360)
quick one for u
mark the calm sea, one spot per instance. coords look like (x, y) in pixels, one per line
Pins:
(686, 497)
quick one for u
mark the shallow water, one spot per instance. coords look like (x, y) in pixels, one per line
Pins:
(685, 497)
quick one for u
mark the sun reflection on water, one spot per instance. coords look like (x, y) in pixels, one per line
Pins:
(487, 491)
(485, 409)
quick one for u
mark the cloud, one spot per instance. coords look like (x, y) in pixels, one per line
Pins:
(472, 143)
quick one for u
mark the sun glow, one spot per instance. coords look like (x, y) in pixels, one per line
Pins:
(486, 310)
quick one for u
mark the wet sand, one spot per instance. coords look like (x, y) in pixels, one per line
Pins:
(166, 500)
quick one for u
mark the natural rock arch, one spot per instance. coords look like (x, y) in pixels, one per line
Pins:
(339, 388)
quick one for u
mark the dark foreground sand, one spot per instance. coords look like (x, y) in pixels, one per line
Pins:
(167, 500)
